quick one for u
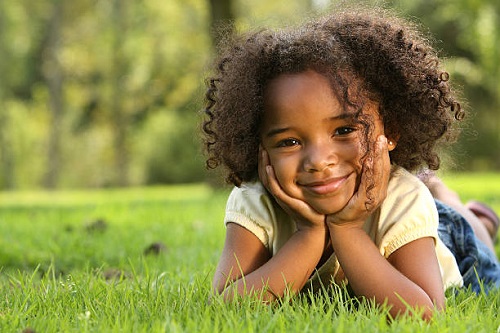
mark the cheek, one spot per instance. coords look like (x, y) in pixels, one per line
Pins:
(352, 152)
(285, 169)
(282, 167)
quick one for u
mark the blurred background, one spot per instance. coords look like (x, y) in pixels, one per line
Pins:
(101, 93)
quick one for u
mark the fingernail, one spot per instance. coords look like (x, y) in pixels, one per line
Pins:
(382, 139)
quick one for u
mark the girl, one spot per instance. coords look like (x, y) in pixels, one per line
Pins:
(319, 128)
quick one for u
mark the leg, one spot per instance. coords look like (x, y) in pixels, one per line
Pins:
(486, 215)
(441, 192)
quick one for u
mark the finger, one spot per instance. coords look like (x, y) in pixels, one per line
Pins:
(262, 164)
(292, 206)
(271, 183)
(364, 198)
(274, 187)
(379, 166)
(278, 192)
(382, 165)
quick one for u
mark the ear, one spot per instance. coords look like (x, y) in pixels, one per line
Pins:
(391, 144)
(392, 141)
(392, 134)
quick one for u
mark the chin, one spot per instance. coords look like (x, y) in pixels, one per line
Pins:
(327, 209)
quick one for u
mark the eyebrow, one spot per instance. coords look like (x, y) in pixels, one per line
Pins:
(277, 131)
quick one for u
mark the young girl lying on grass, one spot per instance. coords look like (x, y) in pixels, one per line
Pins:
(319, 127)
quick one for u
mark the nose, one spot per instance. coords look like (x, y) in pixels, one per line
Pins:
(319, 157)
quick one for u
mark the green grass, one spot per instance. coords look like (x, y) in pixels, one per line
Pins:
(62, 272)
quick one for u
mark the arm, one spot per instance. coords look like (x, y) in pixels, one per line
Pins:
(410, 277)
(246, 267)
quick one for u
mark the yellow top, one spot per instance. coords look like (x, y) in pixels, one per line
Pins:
(408, 213)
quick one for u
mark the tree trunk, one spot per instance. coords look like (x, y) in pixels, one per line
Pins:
(119, 119)
(221, 15)
(6, 156)
(53, 76)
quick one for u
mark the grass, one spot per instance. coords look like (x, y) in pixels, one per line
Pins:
(76, 261)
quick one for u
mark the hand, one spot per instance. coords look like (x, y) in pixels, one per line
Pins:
(302, 213)
(372, 189)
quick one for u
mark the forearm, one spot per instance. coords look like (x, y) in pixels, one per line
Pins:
(372, 276)
(288, 270)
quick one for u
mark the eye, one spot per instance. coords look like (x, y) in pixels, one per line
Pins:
(288, 143)
(344, 130)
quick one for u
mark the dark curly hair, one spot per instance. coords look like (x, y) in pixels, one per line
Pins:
(365, 54)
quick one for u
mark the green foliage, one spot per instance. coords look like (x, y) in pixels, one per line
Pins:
(122, 70)
(116, 78)
(171, 150)
(468, 33)
(60, 272)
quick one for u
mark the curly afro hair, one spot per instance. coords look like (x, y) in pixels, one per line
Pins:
(365, 54)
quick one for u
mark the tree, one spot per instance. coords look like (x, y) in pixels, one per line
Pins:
(221, 14)
(468, 34)
(119, 69)
(106, 93)
(54, 77)
(6, 155)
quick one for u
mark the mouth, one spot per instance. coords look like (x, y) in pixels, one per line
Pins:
(324, 187)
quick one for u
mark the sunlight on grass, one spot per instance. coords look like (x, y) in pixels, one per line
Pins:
(58, 272)
(104, 196)
(476, 186)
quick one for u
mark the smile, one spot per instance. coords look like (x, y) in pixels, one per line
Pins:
(325, 186)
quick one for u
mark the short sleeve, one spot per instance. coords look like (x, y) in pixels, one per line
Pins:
(408, 213)
(250, 207)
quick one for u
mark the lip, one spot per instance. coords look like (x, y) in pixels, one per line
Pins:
(326, 186)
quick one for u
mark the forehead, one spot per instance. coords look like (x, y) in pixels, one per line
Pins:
(294, 100)
(291, 90)
(300, 96)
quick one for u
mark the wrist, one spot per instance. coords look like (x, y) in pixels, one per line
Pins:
(313, 231)
(345, 230)
(333, 221)
(313, 223)
(314, 239)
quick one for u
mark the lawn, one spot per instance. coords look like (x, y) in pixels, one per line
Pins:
(141, 260)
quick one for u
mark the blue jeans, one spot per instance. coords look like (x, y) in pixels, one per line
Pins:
(476, 262)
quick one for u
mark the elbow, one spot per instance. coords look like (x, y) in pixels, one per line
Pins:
(222, 294)
(220, 289)
(428, 313)
(425, 314)
(436, 306)
(217, 288)
(215, 292)
(424, 310)
(228, 292)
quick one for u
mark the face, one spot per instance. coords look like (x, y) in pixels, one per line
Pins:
(313, 145)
